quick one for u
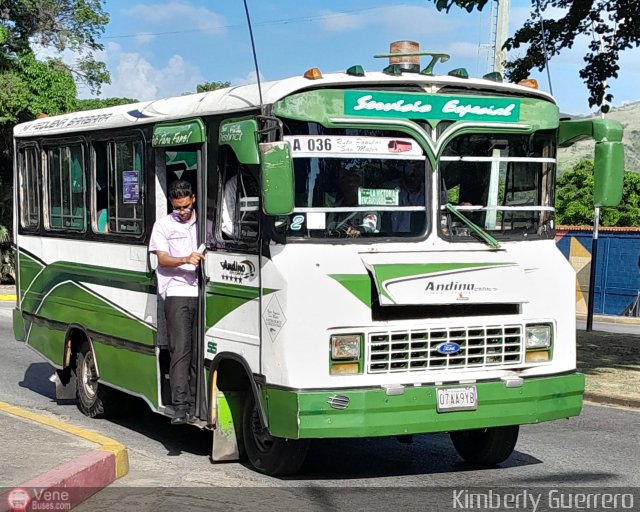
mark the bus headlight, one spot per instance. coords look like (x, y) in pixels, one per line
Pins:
(537, 336)
(345, 347)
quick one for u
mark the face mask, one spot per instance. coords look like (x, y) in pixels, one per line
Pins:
(176, 216)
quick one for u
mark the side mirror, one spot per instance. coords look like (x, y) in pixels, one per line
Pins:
(608, 173)
(276, 178)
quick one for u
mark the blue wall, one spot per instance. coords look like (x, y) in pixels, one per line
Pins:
(618, 267)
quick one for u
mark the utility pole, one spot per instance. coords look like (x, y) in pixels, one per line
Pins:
(501, 34)
(594, 240)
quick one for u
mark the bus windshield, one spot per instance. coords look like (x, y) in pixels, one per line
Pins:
(356, 183)
(503, 184)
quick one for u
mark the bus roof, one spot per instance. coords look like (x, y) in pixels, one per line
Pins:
(242, 98)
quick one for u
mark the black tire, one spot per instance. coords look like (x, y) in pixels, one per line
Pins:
(486, 446)
(94, 399)
(274, 456)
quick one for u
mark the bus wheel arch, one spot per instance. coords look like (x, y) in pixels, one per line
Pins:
(230, 375)
(270, 455)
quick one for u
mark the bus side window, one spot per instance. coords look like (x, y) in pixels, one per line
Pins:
(29, 188)
(66, 188)
(240, 199)
(119, 182)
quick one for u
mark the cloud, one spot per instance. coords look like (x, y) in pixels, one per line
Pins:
(410, 19)
(198, 19)
(132, 76)
(461, 50)
(248, 80)
(144, 39)
(340, 22)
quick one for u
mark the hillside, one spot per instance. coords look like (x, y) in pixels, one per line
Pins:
(629, 116)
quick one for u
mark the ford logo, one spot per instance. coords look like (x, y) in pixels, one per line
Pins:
(448, 348)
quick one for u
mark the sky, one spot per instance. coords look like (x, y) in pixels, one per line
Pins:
(161, 48)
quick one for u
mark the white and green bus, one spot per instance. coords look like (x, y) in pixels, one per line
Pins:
(381, 257)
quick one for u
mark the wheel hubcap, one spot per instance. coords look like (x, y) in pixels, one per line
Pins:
(89, 378)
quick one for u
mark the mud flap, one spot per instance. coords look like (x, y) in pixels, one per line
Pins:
(65, 381)
(225, 434)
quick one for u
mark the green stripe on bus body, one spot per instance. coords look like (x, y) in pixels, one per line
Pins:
(390, 271)
(222, 299)
(133, 371)
(62, 271)
(371, 412)
(69, 304)
(358, 284)
(29, 269)
(47, 340)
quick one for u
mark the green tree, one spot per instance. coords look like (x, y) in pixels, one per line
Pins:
(613, 25)
(212, 86)
(574, 199)
(29, 86)
(94, 103)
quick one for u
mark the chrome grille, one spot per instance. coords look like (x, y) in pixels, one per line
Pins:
(480, 347)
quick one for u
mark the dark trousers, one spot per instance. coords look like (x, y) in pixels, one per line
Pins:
(181, 315)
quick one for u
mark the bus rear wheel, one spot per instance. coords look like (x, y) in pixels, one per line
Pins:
(94, 399)
(274, 456)
(486, 446)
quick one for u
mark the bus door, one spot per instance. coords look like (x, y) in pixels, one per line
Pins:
(232, 262)
(179, 156)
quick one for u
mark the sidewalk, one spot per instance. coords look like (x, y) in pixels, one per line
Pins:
(53, 463)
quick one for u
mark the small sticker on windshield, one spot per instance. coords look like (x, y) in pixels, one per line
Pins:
(316, 220)
(378, 196)
(296, 223)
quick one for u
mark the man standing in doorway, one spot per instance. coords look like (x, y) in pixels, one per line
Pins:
(174, 240)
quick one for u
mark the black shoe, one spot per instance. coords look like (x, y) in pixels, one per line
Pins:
(191, 419)
(180, 418)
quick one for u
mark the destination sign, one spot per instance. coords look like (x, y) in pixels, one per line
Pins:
(348, 146)
(431, 106)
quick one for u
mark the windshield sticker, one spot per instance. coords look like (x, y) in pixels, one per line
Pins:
(427, 106)
(316, 220)
(296, 223)
(378, 196)
(348, 146)
(130, 188)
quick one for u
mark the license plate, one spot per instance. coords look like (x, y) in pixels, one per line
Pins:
(457, 399)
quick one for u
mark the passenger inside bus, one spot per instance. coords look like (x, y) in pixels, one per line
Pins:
(351, 224)
(412, 193)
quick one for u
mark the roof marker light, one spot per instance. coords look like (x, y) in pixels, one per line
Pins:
(529, 82)
(355, 71)
(459, 73)
(312, 74)
(494, 77)
(393, 70)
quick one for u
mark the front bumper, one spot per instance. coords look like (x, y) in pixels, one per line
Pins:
(371, 412)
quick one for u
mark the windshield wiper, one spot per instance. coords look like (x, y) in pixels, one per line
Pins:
(486, 237)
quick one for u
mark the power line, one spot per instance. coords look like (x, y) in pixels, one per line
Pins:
(283, 21)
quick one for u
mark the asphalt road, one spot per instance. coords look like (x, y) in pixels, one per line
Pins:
(596, 449)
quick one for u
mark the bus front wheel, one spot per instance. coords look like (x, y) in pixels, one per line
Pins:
(273, 456)
(94, 399)
(486, 446)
